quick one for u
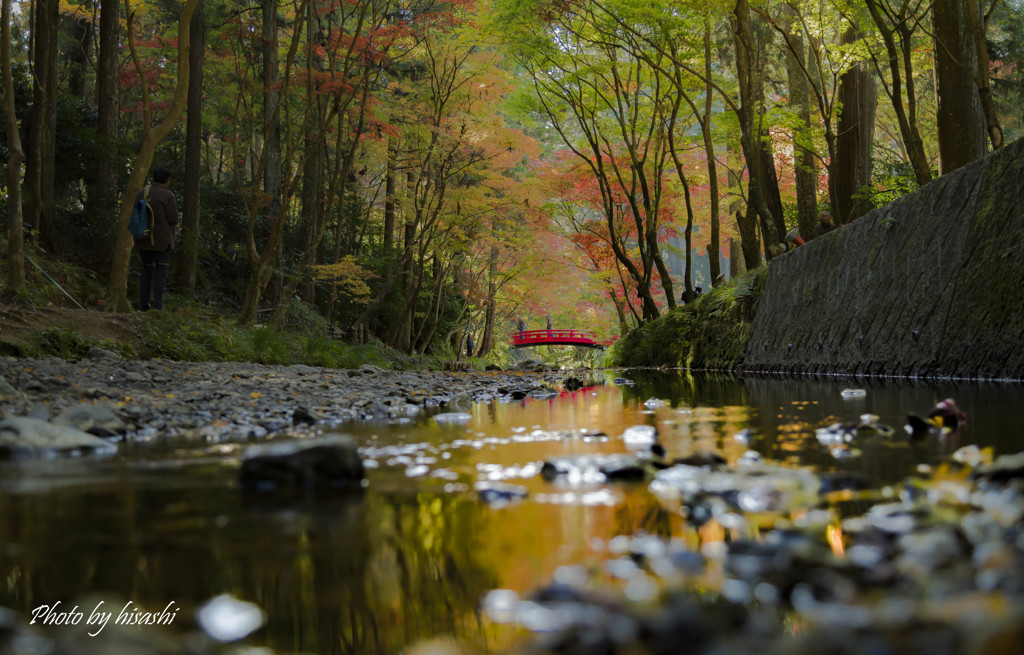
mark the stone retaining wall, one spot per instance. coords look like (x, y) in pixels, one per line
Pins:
(931, 285)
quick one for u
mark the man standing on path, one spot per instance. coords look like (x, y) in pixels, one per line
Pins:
(549, 324)
(521, 324)
(155, 250)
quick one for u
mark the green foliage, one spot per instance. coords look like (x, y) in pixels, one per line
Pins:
(68, 343)
(1006, 53)
(81, 283)
(709, 333)
(892, 178)
(198, 334)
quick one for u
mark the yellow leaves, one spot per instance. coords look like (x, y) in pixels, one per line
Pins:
(348, 277)
(74, 9)
(256, 394)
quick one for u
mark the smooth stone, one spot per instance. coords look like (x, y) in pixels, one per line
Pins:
(91, 418)
(453, 418)
(7, 390)
(29, 437)
(316, 465)
(97, 353)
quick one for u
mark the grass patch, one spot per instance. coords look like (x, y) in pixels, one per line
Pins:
(709, 333)
(198, 333)
(68, 343)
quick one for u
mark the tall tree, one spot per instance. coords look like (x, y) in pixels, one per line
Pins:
(102, 192)
(185, 269)
(979, 31)
(272, 124)
(15, 156)
(746, 74)
(852, 171)
(117, 285)
(897, 25)
(42, 138)
(805, 170)
(960, 118)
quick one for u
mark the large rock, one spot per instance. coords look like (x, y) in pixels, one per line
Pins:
(99, 420)
(928, 285)
(327, 464)
(30, 437)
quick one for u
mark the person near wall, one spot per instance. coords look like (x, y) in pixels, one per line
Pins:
(824, 225)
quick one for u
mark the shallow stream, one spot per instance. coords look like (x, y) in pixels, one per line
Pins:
(411, 557)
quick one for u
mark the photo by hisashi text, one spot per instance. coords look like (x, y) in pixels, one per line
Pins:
(130, 614)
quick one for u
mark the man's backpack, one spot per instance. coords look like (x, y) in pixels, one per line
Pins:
(141, 222)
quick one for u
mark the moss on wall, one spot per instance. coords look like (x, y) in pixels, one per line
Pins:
(710, 333)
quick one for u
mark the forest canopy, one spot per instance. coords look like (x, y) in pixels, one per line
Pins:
(422, 172)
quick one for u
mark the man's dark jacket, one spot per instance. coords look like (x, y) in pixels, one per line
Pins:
(165, 217)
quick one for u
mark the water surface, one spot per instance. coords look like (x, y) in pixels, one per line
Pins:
(411, 557)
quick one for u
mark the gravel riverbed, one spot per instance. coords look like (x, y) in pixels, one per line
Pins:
(169, 398)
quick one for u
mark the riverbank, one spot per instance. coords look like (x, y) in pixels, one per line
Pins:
(711, 333)
(236, 400)
(927, 286)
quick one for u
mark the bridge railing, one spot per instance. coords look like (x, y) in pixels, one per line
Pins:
(540, 337)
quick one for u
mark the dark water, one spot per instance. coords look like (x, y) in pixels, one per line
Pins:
(410, 558)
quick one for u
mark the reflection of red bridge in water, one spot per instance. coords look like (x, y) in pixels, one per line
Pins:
(556, 338)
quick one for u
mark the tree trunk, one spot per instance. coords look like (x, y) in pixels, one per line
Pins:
(804, 166)
(767, 173)
(620, 312)
(400, 332)
(118, 283)
(102, 193)
(272, 129)
(15, 156)
(979, 30)
(900, 56)
(749, 132)
(746, 222)
(389, 197)
(42, 143)
(856, 136)
(312, 213)
(737, 265)
(185, 268)
(709, 152)
(960, 118)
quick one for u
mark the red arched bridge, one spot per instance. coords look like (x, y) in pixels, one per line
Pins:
(556, 338)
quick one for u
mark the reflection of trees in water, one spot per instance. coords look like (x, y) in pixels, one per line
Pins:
(643, 512)
(683, 388)
(366, 574)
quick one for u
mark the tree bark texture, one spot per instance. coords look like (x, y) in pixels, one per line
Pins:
(185, 269)
(272, 127)
(15, 157)
(42, 142)
(960, 118)
(853, 142)
(804, 165)
(749, 132)
(102, 193)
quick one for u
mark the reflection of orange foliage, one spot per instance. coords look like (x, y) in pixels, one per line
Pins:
(834, 535)
(711, 532)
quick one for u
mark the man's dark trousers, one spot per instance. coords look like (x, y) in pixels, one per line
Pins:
(153, 278)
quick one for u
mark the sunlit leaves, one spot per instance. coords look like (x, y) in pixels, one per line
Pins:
(348, 277)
